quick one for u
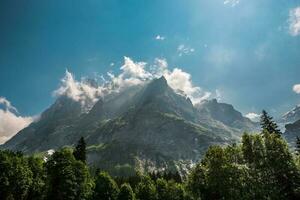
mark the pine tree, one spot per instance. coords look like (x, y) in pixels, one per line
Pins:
(298, 145)
(80, 150)
(268, 125)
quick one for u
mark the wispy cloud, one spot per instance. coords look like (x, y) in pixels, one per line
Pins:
(10, 122)
(232, 3)
(184, 50)
(159, 37)
(296, 88)
(294, 22)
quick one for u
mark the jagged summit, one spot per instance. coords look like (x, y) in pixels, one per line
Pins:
(157, 86)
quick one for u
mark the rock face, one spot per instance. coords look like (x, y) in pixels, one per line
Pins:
(292, 132)
(292, 116)
(149, 127)
(226, 114)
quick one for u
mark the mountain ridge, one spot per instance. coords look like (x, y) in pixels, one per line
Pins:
(158, 127)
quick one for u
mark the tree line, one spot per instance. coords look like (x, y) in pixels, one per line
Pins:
(261, 167)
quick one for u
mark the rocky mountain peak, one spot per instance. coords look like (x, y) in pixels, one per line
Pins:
(292, 115)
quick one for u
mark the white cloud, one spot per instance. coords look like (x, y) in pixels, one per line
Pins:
(294, 22)
(132, 73)
(232, 3)
(181, 82)
(296, 88)
(10, 123)
(184, 50)
(86, 91)
(253, 116)
(159, 37)
(7, 104)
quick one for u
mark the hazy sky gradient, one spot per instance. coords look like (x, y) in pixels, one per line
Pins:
(246, 50)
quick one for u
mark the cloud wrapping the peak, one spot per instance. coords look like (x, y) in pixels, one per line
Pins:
(132, 73)
(181, 82)
(253, 116)
(82, 91)
(296, 88)
(134, 69)
(294, 22)
(10, 123)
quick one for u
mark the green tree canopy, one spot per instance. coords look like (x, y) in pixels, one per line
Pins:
(36, 165)
(106, 188)
(126, 192)
(67, 178)
(15, 176)
(145, 189)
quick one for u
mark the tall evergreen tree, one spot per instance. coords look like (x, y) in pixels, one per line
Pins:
(268, 125)
(80, 150)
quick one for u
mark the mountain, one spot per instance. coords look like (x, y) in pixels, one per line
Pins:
(292, 132)
(291, 116)
(145, 127)
(226, 114)
(46, 132)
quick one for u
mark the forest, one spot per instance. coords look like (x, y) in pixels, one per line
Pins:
(262, 166)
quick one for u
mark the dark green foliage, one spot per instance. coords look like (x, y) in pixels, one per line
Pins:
(170, 190)
(259, 168)
(145, 189)
(298, 145)
(218, 176)
(15, 176)
(106, 188)
(126, 192)
(67, 178)
(268, 125)
(36, 191)
(80, 150)
(167, 175)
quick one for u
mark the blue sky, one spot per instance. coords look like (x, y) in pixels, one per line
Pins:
(247, 50)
